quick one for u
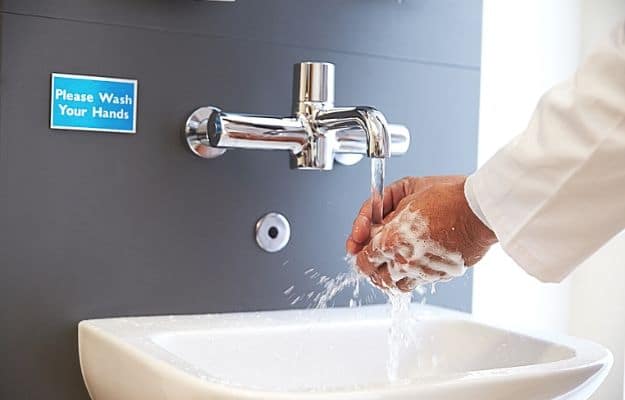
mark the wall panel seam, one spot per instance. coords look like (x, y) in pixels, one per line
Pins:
(441, 64)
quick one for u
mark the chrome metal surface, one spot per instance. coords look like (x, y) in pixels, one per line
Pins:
(196, 134)
(315, 135)
(348, 158)
(314, 84)
(273, 232)
(367, 120)
(351, 141)
(239, 131)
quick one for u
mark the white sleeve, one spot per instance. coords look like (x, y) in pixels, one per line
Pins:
(556, 193)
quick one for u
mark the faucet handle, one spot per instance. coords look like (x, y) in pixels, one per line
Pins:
(314, 85)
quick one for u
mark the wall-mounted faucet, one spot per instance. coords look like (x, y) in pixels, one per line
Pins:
(315, 134)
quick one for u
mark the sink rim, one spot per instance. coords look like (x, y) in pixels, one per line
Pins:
(135, 335)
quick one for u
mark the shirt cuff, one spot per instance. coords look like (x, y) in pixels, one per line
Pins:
(469, 194)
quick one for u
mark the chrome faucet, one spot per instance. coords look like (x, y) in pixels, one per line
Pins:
(316, 134)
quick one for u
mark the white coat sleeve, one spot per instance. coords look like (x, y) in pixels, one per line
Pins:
(556, 193)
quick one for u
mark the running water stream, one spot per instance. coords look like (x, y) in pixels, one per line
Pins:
(414, 231)
(399, 335)
(378, 166)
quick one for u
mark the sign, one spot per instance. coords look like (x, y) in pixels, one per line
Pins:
(92, 103)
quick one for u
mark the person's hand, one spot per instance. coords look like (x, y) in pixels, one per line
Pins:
(429, 234)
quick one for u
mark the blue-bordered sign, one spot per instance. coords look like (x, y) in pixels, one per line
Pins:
(93, 103)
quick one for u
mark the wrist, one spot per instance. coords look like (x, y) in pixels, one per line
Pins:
(474, 205)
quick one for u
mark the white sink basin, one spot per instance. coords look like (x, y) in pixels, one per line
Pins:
(329, 354)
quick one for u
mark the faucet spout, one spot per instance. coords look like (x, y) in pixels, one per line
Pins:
(210, 132)
(316, 133)
(366, 122)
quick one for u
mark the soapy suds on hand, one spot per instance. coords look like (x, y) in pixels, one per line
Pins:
(405, 247)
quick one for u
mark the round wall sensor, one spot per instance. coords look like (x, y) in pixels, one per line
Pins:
(273, 232)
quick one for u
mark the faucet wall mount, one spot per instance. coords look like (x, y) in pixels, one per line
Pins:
(315, 134)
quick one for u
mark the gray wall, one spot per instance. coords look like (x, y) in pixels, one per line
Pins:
(98, 225)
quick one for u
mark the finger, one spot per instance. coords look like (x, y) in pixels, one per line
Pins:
(393, 194)
(385, 276)
(364, 264)
(352, 247)
(376, 230)
(399, 191)
(362, 224)
(432, 272)
(438, 261)
(406, 284)
(400, 259)
(423, 265)
(361, 230)
(388, 217)
(393, 241)
(376, 280)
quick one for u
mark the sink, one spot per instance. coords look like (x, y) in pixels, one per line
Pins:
(330, 354)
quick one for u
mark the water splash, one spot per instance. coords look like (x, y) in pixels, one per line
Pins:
(402, 328)
(328, 288)
(401, 333)
(331, 287)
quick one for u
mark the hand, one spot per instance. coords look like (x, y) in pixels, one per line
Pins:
(429, 233)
